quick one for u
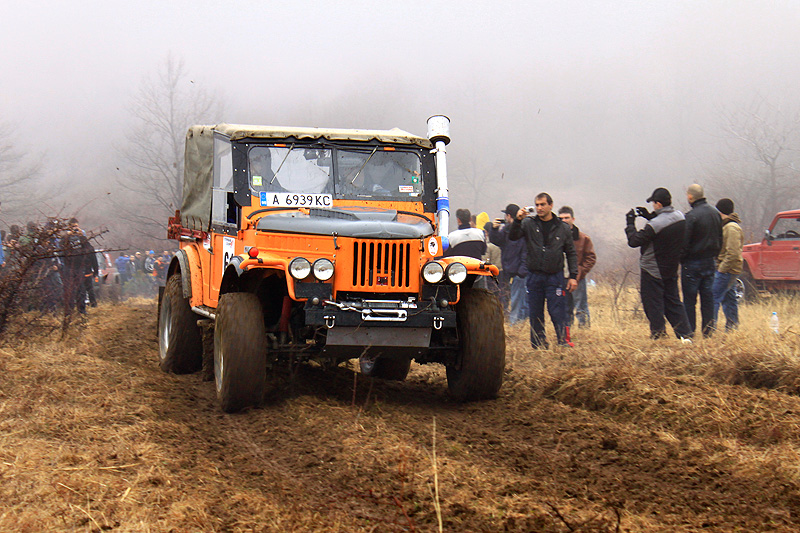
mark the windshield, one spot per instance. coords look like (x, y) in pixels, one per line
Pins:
(297, 170)
(379, 173)
(376, 172)
(786, 229)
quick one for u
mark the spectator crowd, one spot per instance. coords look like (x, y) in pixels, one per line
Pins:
(544, 261)
(54, 266)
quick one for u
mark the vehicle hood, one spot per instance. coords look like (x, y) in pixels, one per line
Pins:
(357, 222)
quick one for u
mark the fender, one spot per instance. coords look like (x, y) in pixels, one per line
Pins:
(188, 261)
(749, 266)
(240, 265)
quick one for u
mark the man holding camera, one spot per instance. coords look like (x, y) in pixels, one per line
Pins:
(661, 243)
(513, 257)
(548, 240)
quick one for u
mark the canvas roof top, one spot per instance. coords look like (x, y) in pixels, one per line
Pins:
(394, 135)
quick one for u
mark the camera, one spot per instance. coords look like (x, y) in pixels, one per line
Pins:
(531, 210)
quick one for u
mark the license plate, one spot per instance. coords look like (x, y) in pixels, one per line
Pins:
(288, 199)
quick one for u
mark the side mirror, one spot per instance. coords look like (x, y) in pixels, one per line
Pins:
(768, 236)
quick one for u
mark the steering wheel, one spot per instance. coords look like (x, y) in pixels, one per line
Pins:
(792, 233)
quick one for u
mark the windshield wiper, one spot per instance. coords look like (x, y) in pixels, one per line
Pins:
(281, 165)
(362, 166)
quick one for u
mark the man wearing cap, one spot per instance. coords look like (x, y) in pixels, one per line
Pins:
(660, 243)
(701, 245)
(513, 256)
(548, 241)
(729, 265)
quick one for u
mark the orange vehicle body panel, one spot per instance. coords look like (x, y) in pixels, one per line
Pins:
(361, 265)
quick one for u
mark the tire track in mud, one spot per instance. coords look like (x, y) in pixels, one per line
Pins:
(514, 455)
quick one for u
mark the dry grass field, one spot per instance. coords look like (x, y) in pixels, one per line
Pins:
(620, 433)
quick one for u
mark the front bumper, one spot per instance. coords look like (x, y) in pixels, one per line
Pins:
(367, 314)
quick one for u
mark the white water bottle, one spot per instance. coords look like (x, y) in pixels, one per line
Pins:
(773, 322)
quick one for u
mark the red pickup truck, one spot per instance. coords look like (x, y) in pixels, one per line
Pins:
(774, 263)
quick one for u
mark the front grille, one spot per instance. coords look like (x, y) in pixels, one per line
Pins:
(381, 264)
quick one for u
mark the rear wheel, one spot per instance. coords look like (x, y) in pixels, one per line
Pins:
(478, 373)
(386, 367)
(240, 351)
(180, 343)
(748, 286)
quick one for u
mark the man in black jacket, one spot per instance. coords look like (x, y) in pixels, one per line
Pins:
(701, 245)
(548, 240)
(661, 241)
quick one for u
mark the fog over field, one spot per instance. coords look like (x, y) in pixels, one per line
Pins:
(595, 102)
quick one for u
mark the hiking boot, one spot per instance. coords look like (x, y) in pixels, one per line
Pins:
(564, 337)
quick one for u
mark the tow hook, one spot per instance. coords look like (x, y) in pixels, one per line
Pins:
(437, 322)
(330, 321)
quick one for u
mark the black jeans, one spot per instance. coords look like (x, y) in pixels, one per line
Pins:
(660, 299)
(697, 277)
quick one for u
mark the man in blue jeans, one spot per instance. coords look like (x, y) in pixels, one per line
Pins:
(513, 258)
(577, 302)
(701, 245)
(729, 265)
(548, 239)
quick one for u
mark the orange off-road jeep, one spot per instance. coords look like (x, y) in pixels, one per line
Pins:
(325, 244)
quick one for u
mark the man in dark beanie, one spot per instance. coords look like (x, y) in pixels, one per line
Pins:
(660, 241)
(729, 265)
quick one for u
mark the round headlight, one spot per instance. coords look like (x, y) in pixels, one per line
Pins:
(456, 273)
(299, 268)
(432, 272)
(323, 269)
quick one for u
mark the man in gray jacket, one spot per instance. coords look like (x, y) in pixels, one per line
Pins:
(660, 241)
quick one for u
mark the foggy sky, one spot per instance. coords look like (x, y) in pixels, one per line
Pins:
(595, 102)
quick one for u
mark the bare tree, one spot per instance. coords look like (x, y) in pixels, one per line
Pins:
(475, 183)
(163, 109)
(619, 274)
(759, 168)
(16, 174)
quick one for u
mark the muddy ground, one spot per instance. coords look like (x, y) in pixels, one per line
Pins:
(93, 436)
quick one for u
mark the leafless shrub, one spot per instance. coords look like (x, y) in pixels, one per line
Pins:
(45, 276)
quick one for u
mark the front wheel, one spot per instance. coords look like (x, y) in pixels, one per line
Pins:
(180, 343)
(478, 371)
(240, 351)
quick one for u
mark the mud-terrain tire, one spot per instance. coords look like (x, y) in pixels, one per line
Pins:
(180, 342)
(240, 351)
(481, 346)
(395, 369)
